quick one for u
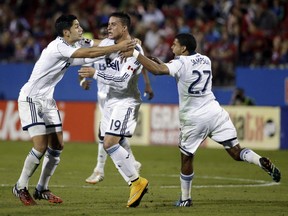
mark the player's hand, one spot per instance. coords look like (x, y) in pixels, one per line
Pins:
(127, 45)
(138, 41)
(149, 91)
(86, 72)
(86, 84)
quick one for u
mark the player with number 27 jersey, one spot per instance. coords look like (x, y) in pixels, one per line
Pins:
(194, 80)
(197, 104)
(200, 115)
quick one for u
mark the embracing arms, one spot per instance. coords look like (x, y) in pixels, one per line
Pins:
(97, 51)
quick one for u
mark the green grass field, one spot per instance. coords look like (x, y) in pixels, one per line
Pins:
(221, 186)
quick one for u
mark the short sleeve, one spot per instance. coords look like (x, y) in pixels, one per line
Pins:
(66, 50)
(174, 67)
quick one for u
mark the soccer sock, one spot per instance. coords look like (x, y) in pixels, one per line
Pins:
(101, 158)
(186, 184)
(50, 163)
(125, 144)
(30, 165)
(250, 156)
(126, 178)
(122, 160)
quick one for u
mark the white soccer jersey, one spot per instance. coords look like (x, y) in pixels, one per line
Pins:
(123, 97)
(102, 94)
(200, 114)
(50, 68)
(38, 111)
(194, 81)
(100, 64)
(121, 76)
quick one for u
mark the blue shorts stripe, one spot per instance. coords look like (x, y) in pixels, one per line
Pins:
(33, 124)
(127, 116)
(53, 126)
(118, 135)
(32, 110)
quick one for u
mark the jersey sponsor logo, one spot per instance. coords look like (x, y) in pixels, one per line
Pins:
(109, 64)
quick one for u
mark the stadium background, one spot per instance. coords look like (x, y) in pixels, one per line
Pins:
(26, 30)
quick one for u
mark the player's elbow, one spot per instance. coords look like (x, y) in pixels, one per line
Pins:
(159, 71)
(84, 53)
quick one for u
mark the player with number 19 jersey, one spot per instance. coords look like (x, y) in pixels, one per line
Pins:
(123, 99)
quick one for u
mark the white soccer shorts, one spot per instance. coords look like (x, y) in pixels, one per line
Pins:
(39, 116)
(119, 118)
(216, 124)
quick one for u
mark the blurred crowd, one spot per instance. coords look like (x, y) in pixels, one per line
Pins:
(232, 33)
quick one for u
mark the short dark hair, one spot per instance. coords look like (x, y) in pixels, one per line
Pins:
(64, 22)
(124, 18)
(188, 40)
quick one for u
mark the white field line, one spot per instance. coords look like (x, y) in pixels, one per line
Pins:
(249, 183)
(253, 182)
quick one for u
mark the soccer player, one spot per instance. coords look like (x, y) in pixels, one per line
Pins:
(98, 172)
(38, 110)
(200, 114)
(122, 104)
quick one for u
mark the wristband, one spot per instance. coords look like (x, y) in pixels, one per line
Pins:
(95, 76)
(82, 81)
(135, 53)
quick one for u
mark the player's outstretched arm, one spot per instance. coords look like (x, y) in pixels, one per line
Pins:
(152, 66)
(93, 52)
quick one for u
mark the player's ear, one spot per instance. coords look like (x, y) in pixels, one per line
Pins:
(66, 32)
(183, 49)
